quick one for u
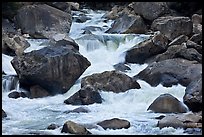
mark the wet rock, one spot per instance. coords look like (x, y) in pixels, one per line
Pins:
(114, 123)
(4, 114)
(16, 44)
(197, 38)
(150, 10)
(196, 19)
(166, 103)
(184, 120)
(78, 110)
(197, 28)
(121, 67)
(53, 126)
(128, 24)
(191, 44)
(110, 81)
(37, 91)
(8, 27)
(193, 131)
(191, 54)
(171, 52)
(176, 26)
(54, 68)
(183, 70)
(193, 95)
(74, 128)
(85, 96)
(179, 40)
(146, 49)
(81, 19)
(14, 95)
(42, 21)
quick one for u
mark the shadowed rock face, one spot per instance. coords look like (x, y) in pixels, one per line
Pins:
(42, 21)
(54, 68)
(176, 26)
(166, 103)
(184, 71)
(193, 95)
(85, 96)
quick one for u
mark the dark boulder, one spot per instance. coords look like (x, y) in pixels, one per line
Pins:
(191, 44)
(166, 103)
(52, 126)
(37, 91)
(183, 70)
(193, 95)
(74, 128)
(121, 67)
(85, 96)
(146, 49)
(78, 110)
(42, 21)
(176, 26)
(114, 123)
(14, 95)
(128, 24)
(114, 81)
(150, 10)
(54, 68)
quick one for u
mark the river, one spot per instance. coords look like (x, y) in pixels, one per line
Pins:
(32, 116)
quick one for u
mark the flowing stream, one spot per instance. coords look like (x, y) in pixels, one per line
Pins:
(33, 116)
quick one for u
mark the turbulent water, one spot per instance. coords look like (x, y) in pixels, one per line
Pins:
(32, 116)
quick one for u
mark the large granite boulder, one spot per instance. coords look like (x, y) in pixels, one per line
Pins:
(172, 26)
(146, 49)
(150, 10)
(114, 81)
(171, 72)
(128, 24)
(43, 21)
(166, 103)
(55, 68)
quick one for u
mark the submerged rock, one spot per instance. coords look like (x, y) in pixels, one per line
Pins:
(53, 126)
(166, 103)
(78, 110)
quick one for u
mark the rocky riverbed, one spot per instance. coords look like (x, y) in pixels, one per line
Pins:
(73, 68)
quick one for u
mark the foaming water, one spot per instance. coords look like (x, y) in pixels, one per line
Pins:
(33, 116)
